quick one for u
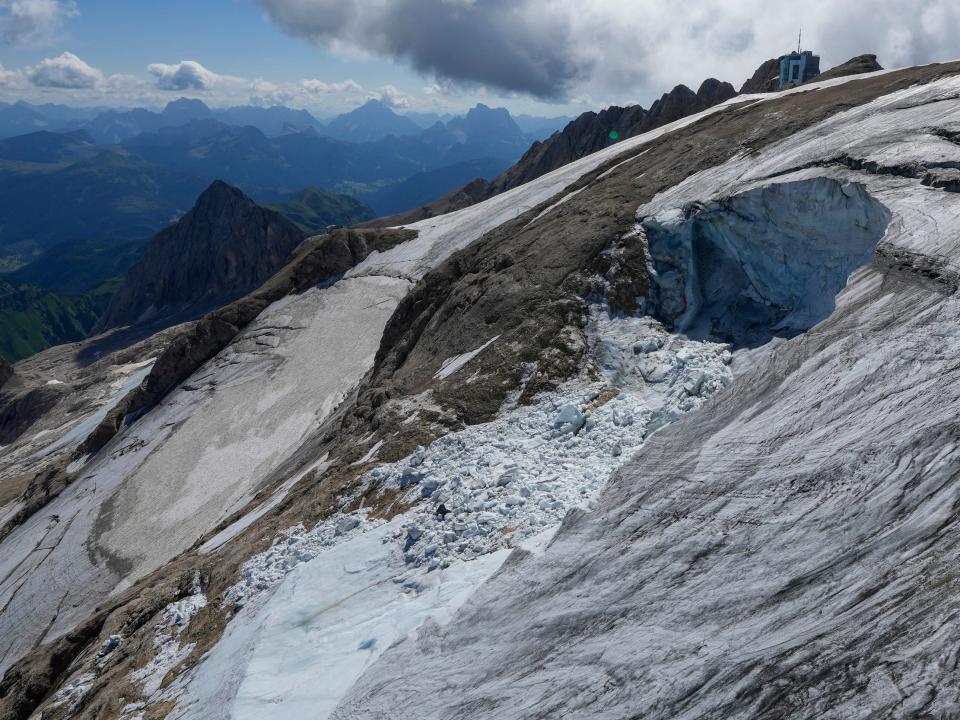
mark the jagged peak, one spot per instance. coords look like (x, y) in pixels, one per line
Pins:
(185, 103)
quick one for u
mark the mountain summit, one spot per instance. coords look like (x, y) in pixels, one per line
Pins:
(223, 248)
(370, 122)
(186, 110)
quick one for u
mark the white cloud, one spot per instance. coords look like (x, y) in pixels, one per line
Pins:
(440, 88)
(184, 75)
(66, 71)
(557, 49)
(318, 87)
(30, 22)
(392, 97)
(68, 78)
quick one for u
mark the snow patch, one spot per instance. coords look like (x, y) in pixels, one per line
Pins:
(169, 653)
(73, 692)
(371, 453)
(238, 526)
(451, 365)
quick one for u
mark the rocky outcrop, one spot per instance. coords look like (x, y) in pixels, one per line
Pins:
(222, 249)
(766, 79)
(22, 405)
(594, 131)
(6, 372)
(587, 134)
(854, 66)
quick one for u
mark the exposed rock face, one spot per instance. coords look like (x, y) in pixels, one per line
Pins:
(766, 79)
(585, 135)
(21, 406)
(6, 371)
(854, 66)
(220, 250)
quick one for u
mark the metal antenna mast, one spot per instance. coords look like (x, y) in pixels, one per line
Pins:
(799, 37)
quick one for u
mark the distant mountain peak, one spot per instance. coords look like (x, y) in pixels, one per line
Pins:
(193, 103)
(187, 109)
(481, 110)
(371, 121)
(223, 248)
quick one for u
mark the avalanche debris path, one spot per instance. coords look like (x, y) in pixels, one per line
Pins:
(507, 483)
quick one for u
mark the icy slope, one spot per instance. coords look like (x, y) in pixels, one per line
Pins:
(325, 603)
(791, 549)
(181, 469)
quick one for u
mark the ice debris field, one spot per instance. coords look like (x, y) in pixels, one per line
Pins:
(507, 483)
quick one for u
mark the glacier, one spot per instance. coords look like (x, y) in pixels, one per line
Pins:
(789, 552)
(742, 506)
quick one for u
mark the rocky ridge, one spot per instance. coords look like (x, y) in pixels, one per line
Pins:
(587, 134)
(592, 131)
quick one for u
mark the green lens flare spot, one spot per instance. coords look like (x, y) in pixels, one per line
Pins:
(614, 135)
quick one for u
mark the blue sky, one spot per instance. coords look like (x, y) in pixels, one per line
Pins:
(233, 37)
(547, 57)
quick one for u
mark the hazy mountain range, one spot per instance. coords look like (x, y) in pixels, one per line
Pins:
(129, 173)
(371, 121)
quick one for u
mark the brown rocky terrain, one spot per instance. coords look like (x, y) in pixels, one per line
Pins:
(854, 66)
